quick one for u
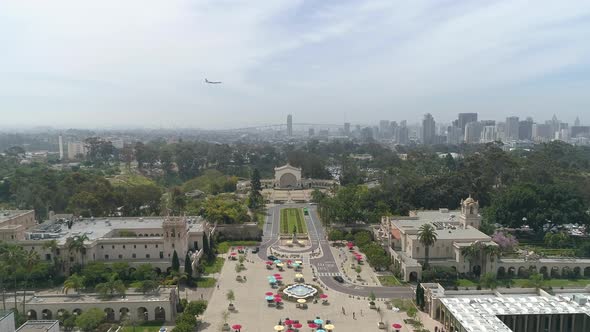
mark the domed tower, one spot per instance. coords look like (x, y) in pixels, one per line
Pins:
(470, 213)
(175, 236)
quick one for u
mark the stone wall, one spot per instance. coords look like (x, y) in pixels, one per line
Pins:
(249, 231)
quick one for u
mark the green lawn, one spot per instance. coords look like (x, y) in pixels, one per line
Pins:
(554, 282)
(292, 219)
(213, 267)
(465, 283)
(206, 282)
(144, 327)
(389, 281)
(261, 219)
(223, 247)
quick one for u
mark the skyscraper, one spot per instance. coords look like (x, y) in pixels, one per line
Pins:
(464, 119)
(402, 135)
(511, 131)
(577, 122)
(384, 129)
(473, 132)
(346, 128)
(525, 130)
(289, 125)
(61, 147)
(428, 129)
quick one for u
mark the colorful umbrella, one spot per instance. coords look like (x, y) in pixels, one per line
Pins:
(396, 326)
(237, 327)
(289, 261)
(279, 278)
(329, 327)
(268, 293)
(277, 274)
(320, 330)
(268, 263)
(318, 321)
(323, 296)
(299, 276)
(278, 295)
(269, 298)
(240, 248)
(234, 254)
(280, 264)
(289, 330)
(279, 327)
(278, 300)
(312, 325)
(277, 261)
(301, 301)
(298, 262)
(288, 322)
(297, 325)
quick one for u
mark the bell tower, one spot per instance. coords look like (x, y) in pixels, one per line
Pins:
(175, 237)
(470, 213)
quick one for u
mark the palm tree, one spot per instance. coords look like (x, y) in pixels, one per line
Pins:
(427, 236)
(491, 251)
(488, 280)
(470, 254)
(535, 281)
(13, 256)
(75, 282)
(77, 244)
(30, 260)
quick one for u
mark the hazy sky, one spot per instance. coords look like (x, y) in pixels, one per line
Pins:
(143, 62)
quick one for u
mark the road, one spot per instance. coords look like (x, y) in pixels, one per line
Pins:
(326, 265)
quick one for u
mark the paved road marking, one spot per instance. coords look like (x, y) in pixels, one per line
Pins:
(329, 274)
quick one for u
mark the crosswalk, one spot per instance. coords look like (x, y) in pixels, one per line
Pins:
(329, 274)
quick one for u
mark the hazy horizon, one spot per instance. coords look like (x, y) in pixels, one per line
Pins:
(131, 64)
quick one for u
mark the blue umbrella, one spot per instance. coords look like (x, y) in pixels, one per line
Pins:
(278, 261)
(320, 330)
(269, 298)
(318, 321)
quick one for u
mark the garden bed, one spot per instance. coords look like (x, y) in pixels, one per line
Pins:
(292, 221)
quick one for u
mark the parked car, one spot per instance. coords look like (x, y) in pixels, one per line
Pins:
(163, 329)
(272, 258)
(339, 279)
(256, 250)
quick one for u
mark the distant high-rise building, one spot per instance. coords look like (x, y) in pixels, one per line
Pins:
(488, 134)
(346, 128)
(464, 119)
(289, 125)
(542, 132)
(384, 129)
(454, 135)
(580, 131)
(61, 147)
(311, 132)
(473, 132)
(511, 129)
(525, 130)
(577, 122)
(76, 150)
(403, 134)
(428, 129)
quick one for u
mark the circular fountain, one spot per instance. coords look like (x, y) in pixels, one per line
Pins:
(300, 291)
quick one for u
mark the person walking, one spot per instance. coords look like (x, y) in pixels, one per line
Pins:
(353, 315)
(343, 312)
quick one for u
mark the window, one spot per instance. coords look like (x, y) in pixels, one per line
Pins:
(147, 255)
(113, 247)
(161, 255)
(106, 257)
(172, 245)
(134, 246)
(120, 256)
(146, 246)
(101, 247)
(71, 259)
(156, 245)
(123, 246)
(134, 256)
(47, 257)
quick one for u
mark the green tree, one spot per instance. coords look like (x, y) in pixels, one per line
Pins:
(536, 281)
(77, 244)
(489, 280)
(175, 262)
(206, 248)
(90, 319)
(211, 254)
(147, 286)
(113, 286)
(75, 282)
(13, 256)
(188, 266)
(196, 308)
(144, 272)
(30, 261)
(230, 296)
(470, 254)
(427, 237)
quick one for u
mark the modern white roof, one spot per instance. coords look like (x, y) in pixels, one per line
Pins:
(480, 314)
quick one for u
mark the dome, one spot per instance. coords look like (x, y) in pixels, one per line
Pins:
(469, 201)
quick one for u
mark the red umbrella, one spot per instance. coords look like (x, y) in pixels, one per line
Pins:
(312, 325)
(240, 248)
(323, 296)
(268, 293)
(297, 325)
(279, 278)
(278, 300)
(289, 330)
(237, 327)
(268, 263)
(277, 275)
(288, 322)
(396, 326)
(289, 261)
(278, 295)
(234, 253)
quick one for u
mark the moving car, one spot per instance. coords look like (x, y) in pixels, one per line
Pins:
(339, 279)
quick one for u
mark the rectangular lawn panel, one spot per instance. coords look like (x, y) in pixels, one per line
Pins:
(292, 219)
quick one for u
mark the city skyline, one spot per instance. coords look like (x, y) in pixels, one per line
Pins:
(328, 62)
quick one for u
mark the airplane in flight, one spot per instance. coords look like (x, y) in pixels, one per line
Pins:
(211, 82)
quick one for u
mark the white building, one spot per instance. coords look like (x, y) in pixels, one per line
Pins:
(76, 149)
